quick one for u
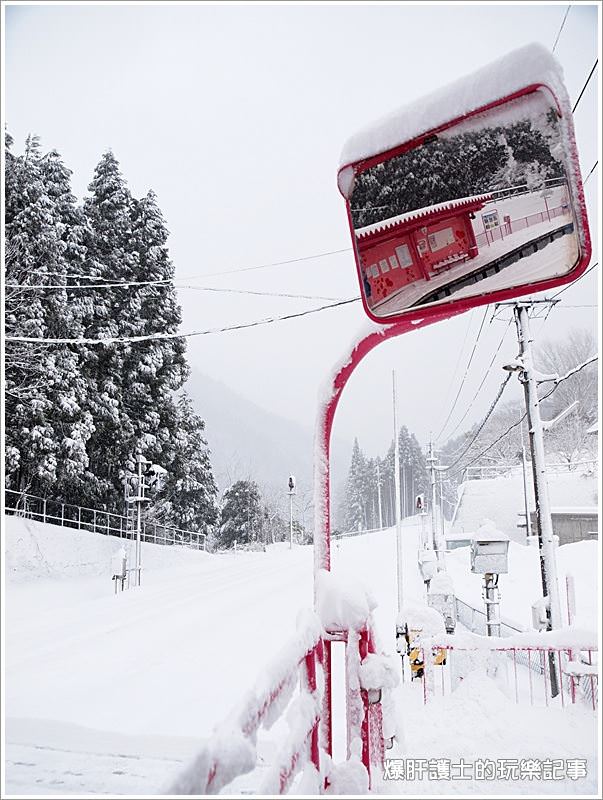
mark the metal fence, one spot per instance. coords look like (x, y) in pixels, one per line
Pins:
(475, 621)
(500, 232)
(66, 515)
(454, 663)
(347, 534)
(485, 471)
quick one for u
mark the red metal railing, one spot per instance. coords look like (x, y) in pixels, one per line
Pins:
(512, 226)
(530, 672)
(232, 749)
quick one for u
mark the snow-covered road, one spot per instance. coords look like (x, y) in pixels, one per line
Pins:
(167, 660)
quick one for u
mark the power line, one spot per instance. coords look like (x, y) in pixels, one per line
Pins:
(262, 294)
(140, 284)
(109, 283)
(461, 350)
(567, 10)
(169, 336)
(487, 372)
(573, 283)
(521, 419)
(569, 374)
(499, 394)
(592, 169)
(590, 74)
(464, 378)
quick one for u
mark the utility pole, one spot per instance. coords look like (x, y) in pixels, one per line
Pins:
(434, 521)
(526, 496)
(544, 524)
(442, 530)
(379, 496)
(291, 494)
(397, 498)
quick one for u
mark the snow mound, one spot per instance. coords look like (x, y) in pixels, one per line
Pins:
(379, 672)
(343, 604)
(349, 777)
(441, 583)
(477, 695)
(421, 618)
(36, 550)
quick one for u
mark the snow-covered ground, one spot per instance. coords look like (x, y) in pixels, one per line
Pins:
(553, 260)
(109, 694)
(521, 586)
(167, 660)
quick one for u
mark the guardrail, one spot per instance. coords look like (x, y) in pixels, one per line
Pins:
(475, 621)
(578, 683)
(55, 512)
(486, 471)
(499, 232)
(232, 749)
(348, 534)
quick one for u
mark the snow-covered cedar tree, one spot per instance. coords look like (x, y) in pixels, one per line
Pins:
(241, 517)
(77, 415)
(355, 491)
(466, 164)
(135, 410)
(188, 497)
(48, 425)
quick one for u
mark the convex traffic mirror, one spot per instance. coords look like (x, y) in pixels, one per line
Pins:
(484, 205)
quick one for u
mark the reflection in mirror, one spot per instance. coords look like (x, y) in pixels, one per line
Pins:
(484, 205)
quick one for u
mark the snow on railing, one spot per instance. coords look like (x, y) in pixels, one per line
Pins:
(534, 659)
(94, 520)
(345, 608)
(232, 749)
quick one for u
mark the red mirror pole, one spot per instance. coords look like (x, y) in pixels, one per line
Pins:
(322, 477)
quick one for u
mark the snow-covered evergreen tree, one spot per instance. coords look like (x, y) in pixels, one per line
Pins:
(355, 492)
(241, 517)
(77, 415)
(48, 424)
(187, 499)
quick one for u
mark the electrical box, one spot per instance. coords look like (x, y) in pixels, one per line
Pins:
(490, 552)
(539, 614)
(441, 597)
(428, 564)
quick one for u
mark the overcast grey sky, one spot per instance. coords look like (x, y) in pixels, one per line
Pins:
(235, 116)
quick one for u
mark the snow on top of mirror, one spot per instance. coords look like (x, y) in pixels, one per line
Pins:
(532, 64)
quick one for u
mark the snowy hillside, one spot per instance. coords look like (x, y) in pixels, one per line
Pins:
(246, 440)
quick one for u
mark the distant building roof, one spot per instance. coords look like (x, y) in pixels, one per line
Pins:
(419, 214)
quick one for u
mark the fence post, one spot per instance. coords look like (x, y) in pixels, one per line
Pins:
(79, 518)
(107, 523)
(44, 510)
(94, 520)
(62, 514)
(310, 664)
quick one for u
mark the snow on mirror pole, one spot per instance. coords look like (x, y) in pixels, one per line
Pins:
(481, 205)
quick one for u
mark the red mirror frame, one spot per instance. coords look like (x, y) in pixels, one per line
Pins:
(453, 307)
